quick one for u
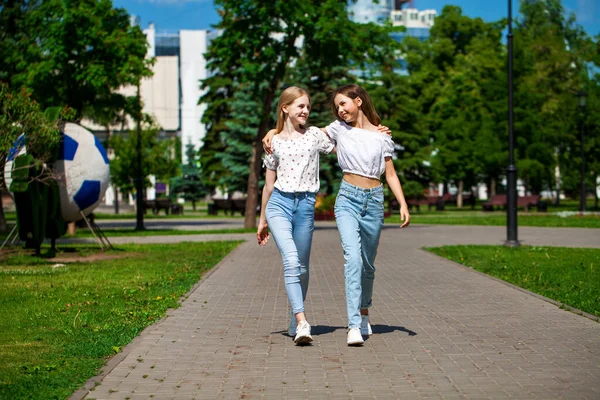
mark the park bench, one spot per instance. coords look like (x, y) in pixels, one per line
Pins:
(529, 201)
(163, 204)
(227, 205)
(429, 201)
(499, 200)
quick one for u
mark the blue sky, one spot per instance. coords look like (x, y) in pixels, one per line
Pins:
(173, 15)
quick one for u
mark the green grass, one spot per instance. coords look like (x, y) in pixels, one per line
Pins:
(498, 218)
(84, 232)
(130, 232)
(60, 324)
(568, 275)
(189, 214)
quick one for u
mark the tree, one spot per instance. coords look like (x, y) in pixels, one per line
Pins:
(157, 158)
(189, 184)
(73, 52)
(551, 57)
(257, 48)
(454, 76)
(20, 114)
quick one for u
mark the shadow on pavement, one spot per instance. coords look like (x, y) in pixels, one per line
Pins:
(379, 329)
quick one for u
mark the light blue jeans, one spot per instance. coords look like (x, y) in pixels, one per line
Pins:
(359, 217)
(291, 220)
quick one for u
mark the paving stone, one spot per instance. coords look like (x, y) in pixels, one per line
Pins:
(440, 330)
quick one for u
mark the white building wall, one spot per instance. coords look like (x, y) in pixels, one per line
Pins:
(413, 18)
(150, 36)
(160, 93)
(160, 96)
(364, 11)
(193, 45)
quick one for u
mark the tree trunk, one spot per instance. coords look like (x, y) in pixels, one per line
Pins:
(492, 187)
(194, 205)
(116, 191)
(252, 188)
(596, 193)
(557, 178)
(3, 225)
(459, 195)
(255, 164)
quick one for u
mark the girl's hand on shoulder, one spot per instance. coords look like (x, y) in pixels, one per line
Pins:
(262, 233)
(404, 216)
(267, 140)
(384, 129)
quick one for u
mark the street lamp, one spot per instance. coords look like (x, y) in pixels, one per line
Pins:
(139, 178)
(582, 97)
(511, 171)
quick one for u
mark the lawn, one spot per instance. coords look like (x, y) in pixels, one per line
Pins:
(498, 218)
(110, 233)
(60, 321)
(568, 275)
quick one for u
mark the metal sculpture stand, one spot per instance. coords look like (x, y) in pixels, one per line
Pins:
(14, 234)
(97, 233)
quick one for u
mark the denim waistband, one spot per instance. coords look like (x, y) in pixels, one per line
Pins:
(355, 189)
(295, 195)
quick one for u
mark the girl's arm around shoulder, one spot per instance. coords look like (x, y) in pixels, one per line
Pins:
(393, 182)
(267, 141)
(334, 150)
(324, 142)
(262, 232)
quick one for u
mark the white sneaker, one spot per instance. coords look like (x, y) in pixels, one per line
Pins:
(293, 324)
(365, 326)
(303, 333)
(354, 337)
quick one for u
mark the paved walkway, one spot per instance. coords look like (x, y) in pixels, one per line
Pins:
(441, 331)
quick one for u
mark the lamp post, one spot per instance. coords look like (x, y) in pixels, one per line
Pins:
(511, 171)
(139, 179)
(582, 97)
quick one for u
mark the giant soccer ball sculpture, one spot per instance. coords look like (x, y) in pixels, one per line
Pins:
(82, 172)
(17, 149)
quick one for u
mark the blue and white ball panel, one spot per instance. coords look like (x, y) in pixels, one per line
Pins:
(83, 171)
(17, 149)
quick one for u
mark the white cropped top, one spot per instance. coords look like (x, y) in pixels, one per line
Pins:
(360, 151)
(297, 160)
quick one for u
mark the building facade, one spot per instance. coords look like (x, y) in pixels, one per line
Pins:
(417, 23)
(171, 94)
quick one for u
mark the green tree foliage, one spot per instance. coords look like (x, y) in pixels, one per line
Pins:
(20, 114)
(72, 52)
(157, 158)
(551, 56)
(455, 72)
(260, 44)
(189, 185)
(458, 84)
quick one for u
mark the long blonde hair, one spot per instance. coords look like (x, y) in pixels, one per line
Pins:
(353, 91)
(288, 96)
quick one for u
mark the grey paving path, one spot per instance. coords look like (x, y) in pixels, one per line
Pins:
(440, 330)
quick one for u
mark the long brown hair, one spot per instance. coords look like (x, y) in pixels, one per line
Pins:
(353, 91)
(287, 97)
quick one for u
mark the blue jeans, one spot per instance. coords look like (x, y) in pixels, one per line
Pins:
(359, 217)
(291, 220)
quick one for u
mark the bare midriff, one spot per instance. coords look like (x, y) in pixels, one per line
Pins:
(361, 181)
